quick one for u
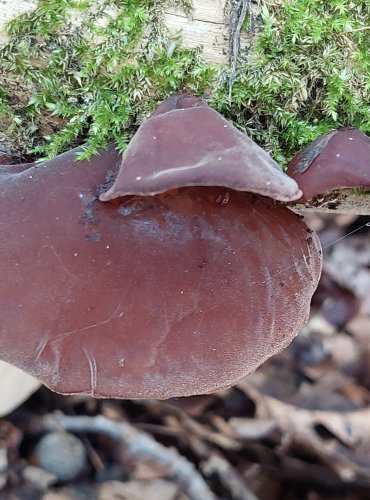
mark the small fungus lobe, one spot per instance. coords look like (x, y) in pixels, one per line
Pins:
(196, 146)
(337, 160)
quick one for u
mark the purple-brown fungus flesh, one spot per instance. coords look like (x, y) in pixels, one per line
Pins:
(186, 143)
(337, 160)
(173, 294)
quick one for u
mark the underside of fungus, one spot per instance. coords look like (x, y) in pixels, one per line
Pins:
(151, 295)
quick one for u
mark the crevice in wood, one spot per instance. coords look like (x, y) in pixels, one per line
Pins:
(194, 19)
(237, 18)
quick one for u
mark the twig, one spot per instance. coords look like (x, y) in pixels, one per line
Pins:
(139, 445)
(358, 29)
(229, 477)
(237, 18)
(192, 427)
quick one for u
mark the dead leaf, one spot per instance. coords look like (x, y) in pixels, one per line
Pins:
(301, 427)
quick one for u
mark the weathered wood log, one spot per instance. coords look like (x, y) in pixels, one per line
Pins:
(206, 26)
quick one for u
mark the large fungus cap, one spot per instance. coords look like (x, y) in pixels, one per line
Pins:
(186, 143)
(337, 160)
(145, 297)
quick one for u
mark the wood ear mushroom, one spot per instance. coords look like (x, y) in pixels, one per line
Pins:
(165, 290)
(328, 170)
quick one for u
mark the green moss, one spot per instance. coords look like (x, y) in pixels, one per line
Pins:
(361, 191)
(101, 76)
(308, 72)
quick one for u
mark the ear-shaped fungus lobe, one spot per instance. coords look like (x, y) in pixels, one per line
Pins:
(171, 295)
(337, 160)
(186, 143)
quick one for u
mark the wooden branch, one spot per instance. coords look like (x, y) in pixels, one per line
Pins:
(138, 445)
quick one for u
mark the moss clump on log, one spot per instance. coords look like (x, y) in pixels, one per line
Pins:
(89, 71)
